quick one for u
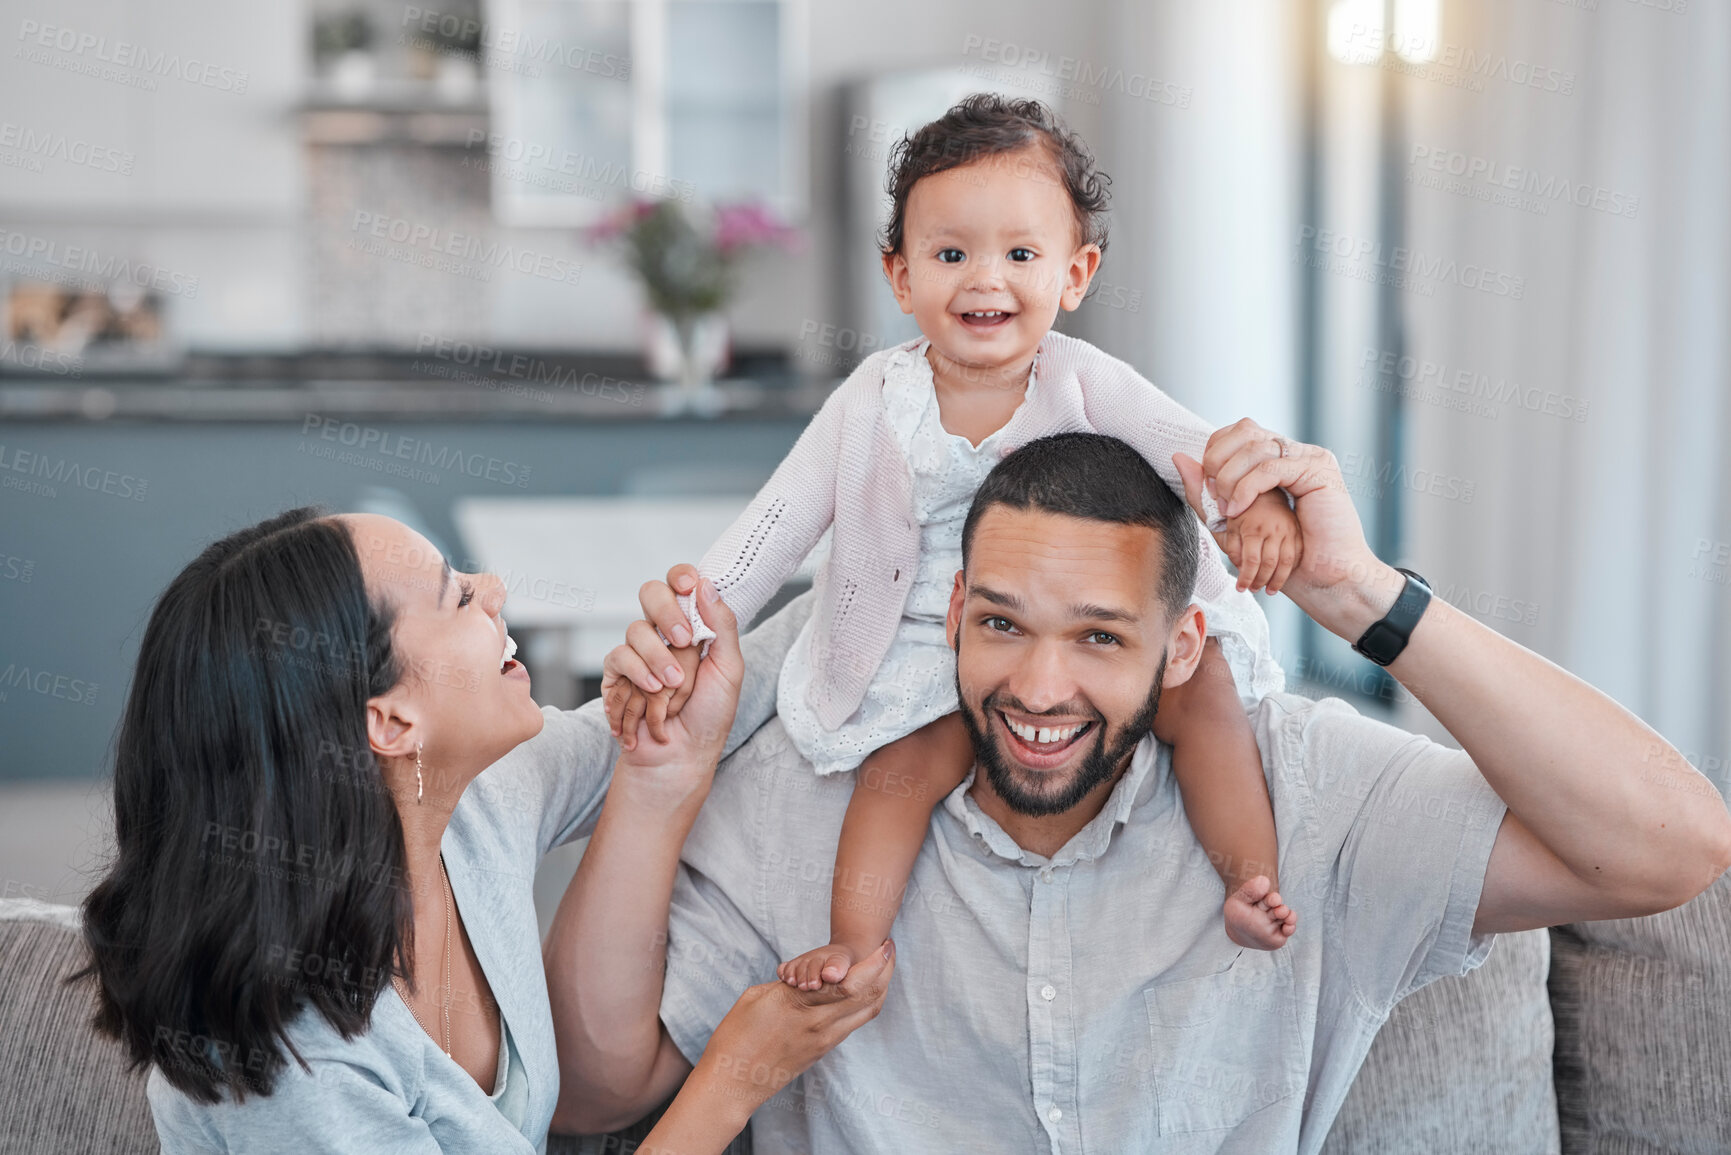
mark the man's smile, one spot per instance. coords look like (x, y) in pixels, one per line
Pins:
(1042, 743)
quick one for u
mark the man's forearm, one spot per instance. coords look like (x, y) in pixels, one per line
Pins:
(606, 951)
(1565, 758)
(1584, 836)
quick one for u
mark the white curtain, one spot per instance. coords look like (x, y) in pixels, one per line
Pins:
(1603, 543)
(1609, 534)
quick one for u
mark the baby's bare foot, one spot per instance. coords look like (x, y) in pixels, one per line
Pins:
(1256, 918)
(814, 968)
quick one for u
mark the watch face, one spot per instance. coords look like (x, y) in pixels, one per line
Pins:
(1380, 643)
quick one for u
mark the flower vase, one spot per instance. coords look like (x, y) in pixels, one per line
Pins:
(686, 352)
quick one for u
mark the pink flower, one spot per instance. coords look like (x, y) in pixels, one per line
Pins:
(746, 225)
(620, 221)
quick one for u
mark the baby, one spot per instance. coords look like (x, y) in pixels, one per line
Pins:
(996, 225)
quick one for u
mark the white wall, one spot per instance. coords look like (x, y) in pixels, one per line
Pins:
(1206, 203)
(1206, 206)
(214, 188)
(217, 186)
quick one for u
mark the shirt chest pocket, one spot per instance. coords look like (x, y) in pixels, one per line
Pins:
(1226, 1044)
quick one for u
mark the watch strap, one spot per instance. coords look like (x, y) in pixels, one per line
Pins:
(1383, 642)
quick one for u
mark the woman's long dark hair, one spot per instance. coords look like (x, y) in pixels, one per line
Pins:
(260, 863)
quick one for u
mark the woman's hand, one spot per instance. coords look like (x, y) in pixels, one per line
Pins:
(773, 1033)
(630, 685)
(693, 741)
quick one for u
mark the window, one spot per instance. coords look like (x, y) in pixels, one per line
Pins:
(597, 101)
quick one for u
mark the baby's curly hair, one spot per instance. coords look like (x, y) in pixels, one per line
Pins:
(986, 124)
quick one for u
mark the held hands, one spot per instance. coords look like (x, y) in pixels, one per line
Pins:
(631, 688)
(637, 698)
(1263, 542)
(1338, 580)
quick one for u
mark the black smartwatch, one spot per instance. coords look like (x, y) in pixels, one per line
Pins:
(1384, 641)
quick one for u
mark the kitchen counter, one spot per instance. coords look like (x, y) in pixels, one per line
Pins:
(111, 483)
(448, 382)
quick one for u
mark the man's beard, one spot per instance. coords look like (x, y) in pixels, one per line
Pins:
(1030, 792)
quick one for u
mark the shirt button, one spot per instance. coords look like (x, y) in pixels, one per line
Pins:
(1055, 1115)
(1048, 992)
(1046, 875)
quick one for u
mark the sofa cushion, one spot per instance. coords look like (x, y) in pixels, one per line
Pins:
(1462, 1065)
(65, 1088)
(1643, 1014)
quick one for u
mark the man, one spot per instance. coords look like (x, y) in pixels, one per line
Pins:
(1065, 984)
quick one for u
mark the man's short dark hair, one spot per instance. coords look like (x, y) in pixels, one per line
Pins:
(1102, 479)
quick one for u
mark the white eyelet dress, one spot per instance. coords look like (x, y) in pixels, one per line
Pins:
(916, 683)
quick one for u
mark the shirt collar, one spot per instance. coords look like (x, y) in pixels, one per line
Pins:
(1148, 770)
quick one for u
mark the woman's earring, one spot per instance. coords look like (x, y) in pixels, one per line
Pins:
(419, 785)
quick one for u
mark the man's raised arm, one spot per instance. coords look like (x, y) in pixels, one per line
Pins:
(1586, 835)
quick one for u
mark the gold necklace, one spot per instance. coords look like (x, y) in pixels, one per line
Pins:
(397, 980)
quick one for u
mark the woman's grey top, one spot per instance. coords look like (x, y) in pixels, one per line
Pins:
(393, 1089)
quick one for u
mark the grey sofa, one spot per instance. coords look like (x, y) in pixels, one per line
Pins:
(1608, 1038)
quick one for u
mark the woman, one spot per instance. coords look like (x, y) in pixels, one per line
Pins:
(315, 930)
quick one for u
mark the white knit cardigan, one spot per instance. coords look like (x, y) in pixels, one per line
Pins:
(847, 470)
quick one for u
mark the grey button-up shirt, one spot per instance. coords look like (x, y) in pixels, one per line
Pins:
(1091, 1002)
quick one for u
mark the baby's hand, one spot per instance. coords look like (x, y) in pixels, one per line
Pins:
(633, 694)
(630, 688)
(1264, 542)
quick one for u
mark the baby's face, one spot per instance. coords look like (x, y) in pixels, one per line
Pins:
(989, 255)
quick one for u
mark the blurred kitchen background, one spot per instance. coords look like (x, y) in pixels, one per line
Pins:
(559, 281)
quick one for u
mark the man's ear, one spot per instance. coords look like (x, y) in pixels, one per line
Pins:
(1184, 646)
(952, 620)
(896, 273)
(1084, 263)
(393, 729)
